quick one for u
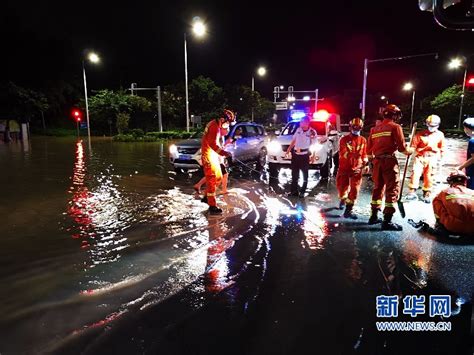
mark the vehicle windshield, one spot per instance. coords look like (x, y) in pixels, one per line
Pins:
(318, 126)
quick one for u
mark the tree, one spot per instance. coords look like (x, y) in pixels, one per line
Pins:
(242, 99)
(173, 106)
(122, 122)
(21, 104)
(105, 105)
(446, 104)
(206, 98)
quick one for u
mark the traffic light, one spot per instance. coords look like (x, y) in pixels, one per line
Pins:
(77, 115)
(470, 83)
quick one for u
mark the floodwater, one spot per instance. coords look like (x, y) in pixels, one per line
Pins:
(109, 251)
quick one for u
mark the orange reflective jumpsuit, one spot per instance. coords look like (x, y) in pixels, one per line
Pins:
(352, 158)
(454, 209)
(384, 140)
(211, 150)
(428, 147)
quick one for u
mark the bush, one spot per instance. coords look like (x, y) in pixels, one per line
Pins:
(137, 135)
(55, 132)
(137, 132)
(124, 138)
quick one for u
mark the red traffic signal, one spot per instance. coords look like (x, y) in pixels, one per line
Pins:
(77, 115)
(470, 83)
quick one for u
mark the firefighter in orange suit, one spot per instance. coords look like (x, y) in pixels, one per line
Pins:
(429, 146)
(352, 160)
(211, 149)
(384, 140)
(454, 207)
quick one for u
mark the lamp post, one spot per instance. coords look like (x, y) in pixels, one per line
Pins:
(410, 87)
(261, 71)
(93, 58)
(456, 63)
(366, 72)
(199, 30)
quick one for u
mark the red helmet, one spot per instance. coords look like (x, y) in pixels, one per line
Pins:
(392, 112)
(457, 177)
(356, 124)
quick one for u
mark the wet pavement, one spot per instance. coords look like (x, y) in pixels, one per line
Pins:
(109, 251)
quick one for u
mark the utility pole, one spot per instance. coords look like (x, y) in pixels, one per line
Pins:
(158, 97)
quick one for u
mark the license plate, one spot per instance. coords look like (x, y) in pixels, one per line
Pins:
(185, 156)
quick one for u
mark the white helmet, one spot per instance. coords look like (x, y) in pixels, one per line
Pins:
(433, 121)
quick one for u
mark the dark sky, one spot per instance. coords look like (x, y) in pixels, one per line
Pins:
(306, 44)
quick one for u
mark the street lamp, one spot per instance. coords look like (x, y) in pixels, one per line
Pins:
(366, 73)
(95, 59)
(410, 87)
(199, 30)
(261, 71)
(456, 63)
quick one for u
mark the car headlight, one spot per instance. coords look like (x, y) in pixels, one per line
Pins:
(274, 147)
(173, 149)
(316, 147)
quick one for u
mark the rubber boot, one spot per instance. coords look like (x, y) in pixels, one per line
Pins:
(374, 218)
(348, 213)
(342, 203)
(204, 199)
(214, 210)
(411, 196)
(388, 225)
(426, 196)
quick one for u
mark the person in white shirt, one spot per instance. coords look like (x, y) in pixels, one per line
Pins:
(302, 140)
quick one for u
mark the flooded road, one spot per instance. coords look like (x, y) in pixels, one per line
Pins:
(109, 251)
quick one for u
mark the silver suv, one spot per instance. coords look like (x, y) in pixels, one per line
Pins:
(249, 145)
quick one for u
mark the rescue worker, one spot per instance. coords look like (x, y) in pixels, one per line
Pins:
(469, 163)
(299, 148)
(211, 150)
(454, 207)
(223, 163)
(384, 140)
(352, 161)
(429, 147)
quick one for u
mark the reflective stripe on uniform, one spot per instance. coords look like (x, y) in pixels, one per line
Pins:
(349, 201)
(382, 134)
(389, 204)
(463, 196)
(211, 194)
(376, 202)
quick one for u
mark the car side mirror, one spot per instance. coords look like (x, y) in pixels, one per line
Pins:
(333, 132)
(277, 132)
(450, 14)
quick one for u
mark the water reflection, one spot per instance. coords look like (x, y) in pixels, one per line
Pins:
(99, 215)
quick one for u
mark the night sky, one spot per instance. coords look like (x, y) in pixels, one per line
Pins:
(306, 44)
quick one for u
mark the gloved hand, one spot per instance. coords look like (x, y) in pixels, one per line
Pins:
(409, 151)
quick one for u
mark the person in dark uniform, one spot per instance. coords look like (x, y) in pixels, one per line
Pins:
(299, 149)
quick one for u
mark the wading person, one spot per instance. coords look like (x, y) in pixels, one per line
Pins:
(384, 140)
(210, 157)
(223, 165)
(352, 162)
(299, 149)
(469, 163)
(454, 207)
(429, 146)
